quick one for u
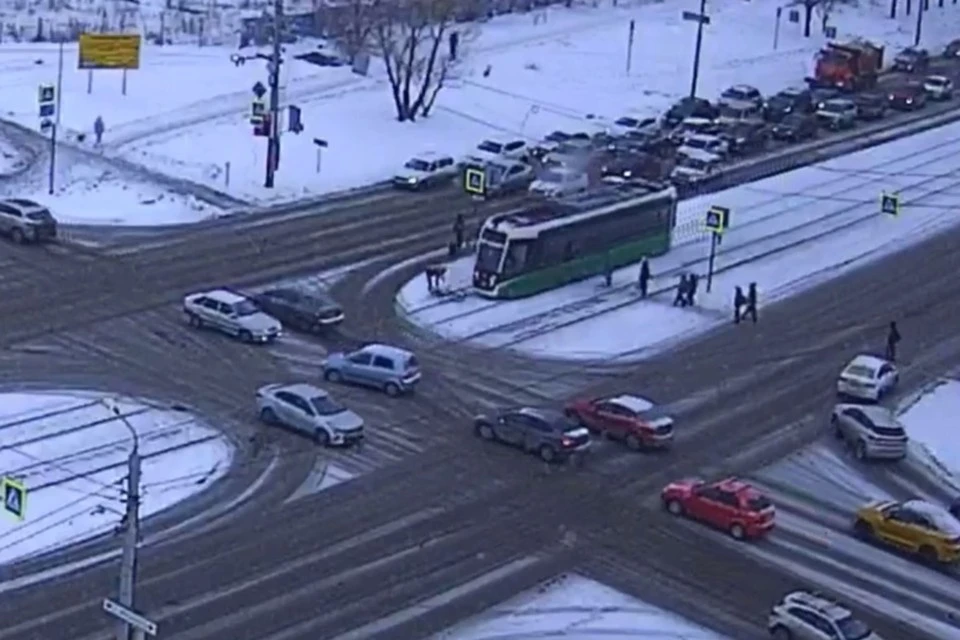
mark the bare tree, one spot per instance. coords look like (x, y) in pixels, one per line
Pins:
(411, 36)
(351, 24)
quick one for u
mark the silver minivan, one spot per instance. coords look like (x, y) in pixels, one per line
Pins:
(391, 369)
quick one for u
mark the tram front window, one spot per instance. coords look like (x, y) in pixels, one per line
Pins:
(488, 258)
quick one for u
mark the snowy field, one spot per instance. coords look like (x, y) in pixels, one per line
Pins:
(575, 608)
(71, 450)
(543, 77)
(934, 428)
(185, 110)
(788, 233)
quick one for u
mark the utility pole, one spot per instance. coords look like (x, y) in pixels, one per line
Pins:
(702, 19)
(131, 524)
(920, 11)
(273, 68)
(56, 123)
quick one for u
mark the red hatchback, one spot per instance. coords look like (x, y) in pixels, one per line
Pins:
(731, 505)
(631, 419)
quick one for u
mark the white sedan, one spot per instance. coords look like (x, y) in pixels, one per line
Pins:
(559, 181)
(867, 378)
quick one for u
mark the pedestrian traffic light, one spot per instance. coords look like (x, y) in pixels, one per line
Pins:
(718, 219)
(262, 128)
(890, 204)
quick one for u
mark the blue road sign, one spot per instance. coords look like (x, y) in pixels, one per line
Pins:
(890, 204)
(474, 181)
(47, 110)
(718, 219)
(14, 498)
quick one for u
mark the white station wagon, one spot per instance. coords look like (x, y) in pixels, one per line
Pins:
(867, 378)
(231, 313)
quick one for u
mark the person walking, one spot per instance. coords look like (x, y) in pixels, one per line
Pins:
(893, 339)
(739, 300)
(681, 298)
(751, 309)
(644, 279)
(607, 271)
(459, 228)
(692, 284)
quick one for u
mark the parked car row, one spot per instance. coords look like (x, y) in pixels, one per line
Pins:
(695, 138)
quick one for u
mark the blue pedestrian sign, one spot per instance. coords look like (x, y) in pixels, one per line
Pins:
(14, 498)
(47, 101)
(47, 110)
(718, 219)
(474, 181)
(890, 204)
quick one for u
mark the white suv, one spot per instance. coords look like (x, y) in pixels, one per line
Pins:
(232, 314)
(802, 615)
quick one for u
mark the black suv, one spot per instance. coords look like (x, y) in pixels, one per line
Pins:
(796, 127)
(746, 137)
(793, 100)
(309, 311)
(548, 433)
(912, 60)
(690, 108)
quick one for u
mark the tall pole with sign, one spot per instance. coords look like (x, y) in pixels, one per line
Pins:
(718, 220)
(48, 99)
(273, 67)
(702, 19)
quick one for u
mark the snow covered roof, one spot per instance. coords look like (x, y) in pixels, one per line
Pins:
(864, 360)
(940, 517)
(637, 404)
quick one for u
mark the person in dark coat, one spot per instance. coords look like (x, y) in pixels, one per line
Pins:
(692, 284)
(893, 339)
(751, 309)
(681, 299)
(644, 280)
(459, 228)
(739, 300)
(607, 271)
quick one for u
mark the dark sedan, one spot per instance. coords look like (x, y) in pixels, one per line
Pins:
(907, 97)
(793, 100)
(745, 137)
(796, 127)
(871, 106)
(308, 311)
(623, 166)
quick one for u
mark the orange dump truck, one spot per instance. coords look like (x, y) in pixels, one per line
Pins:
(851, 67)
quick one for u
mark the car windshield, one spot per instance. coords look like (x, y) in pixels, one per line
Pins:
(853, 629)
(734, 93)
(245, 308)
(488, 257)
(326, 406)
(758, 503)
(694, 163)
(38, 215)
(490, 146)
(936, 82)
(835, 107)
(413, 363)
(557, 136)
(417, 165)
(698, 143)
(627, 122)
(860, 371)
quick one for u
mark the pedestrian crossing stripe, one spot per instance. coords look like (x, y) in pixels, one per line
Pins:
(14, 498)
(890, 204)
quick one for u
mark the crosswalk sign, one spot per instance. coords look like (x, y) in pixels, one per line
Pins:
(890, 204)
(258, 111)
(14, 498)
(718, 219)
(474, 181)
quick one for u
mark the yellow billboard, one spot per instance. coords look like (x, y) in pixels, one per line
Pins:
(109, 51)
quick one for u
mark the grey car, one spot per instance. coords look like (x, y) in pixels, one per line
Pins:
(393, 370)
(26, 221)
(801, 615)
(871, 431)
(309, 410)
(231, 313)
(507, 177)
(548, 433)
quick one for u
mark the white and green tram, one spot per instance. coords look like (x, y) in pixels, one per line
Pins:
(552, 243)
